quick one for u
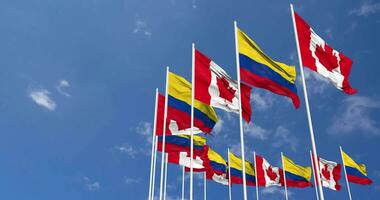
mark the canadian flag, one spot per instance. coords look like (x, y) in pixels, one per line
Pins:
(320, 57)
(213, 86)
(183, 158)
(330, 173)
(267, 175)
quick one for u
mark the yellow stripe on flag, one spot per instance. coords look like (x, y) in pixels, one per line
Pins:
(236, 164)
(198, 140)
(349, 162)
(212, 155)
(250, 49)
(180, 89)
(298, 170)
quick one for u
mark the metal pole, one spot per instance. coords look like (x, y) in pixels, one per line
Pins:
(153, 145)
(229, 175)
(166, 174)
(204, 187)
(192, 120)
(283, 168)
(307, 106)
(183, 183)
(154, 166)
(315, 181)
(345, 173)
(240, 113)
(164, 133)
(257, 184)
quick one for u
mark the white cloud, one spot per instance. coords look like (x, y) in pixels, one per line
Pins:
(41, 97)
(366, 8)
(127, 149)
(142, 28)
(218, 126)
(62, 84)
(256, 131)
(91, 185)
(275, 190)
(283, 137)
(316, 84)
(356, 115)
(262, 100)
(145, 129)
(130, 180)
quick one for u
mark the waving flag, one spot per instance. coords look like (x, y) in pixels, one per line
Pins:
(320, 57)
(296, 175)
(267, 175)
(356, 173)
(179, 110)
(216, 167)
(213, 86)
(330, 173)
(184, 159)
(237, 171)
(259, 70)
(181, 143)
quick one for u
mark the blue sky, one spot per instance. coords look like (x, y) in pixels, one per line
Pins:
(78, 78)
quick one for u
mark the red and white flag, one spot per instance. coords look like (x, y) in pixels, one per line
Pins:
(267, 175)
(330, 173)
(183, 159)
(213, 86)
(320, 57)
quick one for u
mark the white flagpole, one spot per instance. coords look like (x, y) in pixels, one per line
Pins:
(192, 120)
(314, 148)
(315, 181)
(283, 168)
(345, 173)
(257, 185)
(204, 187)
(240, 113)
(166, 174)
(229, 175)
(153, 145)
(183, 182)
(164, 133)
(154, 166)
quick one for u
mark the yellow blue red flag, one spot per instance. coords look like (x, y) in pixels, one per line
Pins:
(356, 173)
(236, 169)
(296, 175)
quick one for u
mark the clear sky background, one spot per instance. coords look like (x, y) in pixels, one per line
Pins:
(77, 82)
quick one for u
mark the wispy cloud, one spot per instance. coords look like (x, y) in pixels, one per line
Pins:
(142, 28)
(366, 8)
(218, 126)
(262, 100)
(275, 190)
(91, 185)
(41, 97)
(127, 149)
(356, 115)
(316, 84)
(145, 129)
(130, 180)
(62, 85)
(256, 131)
(283, 136)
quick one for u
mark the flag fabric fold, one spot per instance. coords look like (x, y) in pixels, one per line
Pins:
(237, 171)
(216, 167)
(296, 175)
(181, 143)
(330, 173)
(184, 159)
(213, 86)
(259, 70)
(356, 173)
(318, 56)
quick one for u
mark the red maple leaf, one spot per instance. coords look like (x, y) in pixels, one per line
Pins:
(272, 175)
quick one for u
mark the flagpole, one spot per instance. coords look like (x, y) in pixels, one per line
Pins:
(283, 169)
(153, 145)
(154, 166)
(307, 106)
(183, 183)
(229, 175)
(164, 133)
(204, 187)
(345, 173)
(315, 181)
(166, 174)
(192, 120)
(257, 184)
(240, 113)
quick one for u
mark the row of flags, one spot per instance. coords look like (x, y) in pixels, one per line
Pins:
(260, 171)
(188, 108)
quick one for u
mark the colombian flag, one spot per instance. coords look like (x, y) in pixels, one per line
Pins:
(237, 171)
(179, 103)
(216, 167)
(182, 143)
(259, 70)
(356, 173)
(296, 175)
